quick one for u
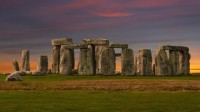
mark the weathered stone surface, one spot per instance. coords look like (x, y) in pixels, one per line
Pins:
(14, 77)
(76, 46)
(175, 48)
(127, 62)
(135, 66)
(43, 64)
(174, 61)
(162, 63)
(98, 53)
(184, 63)
(62, 41)
(144, 62)
(49, 71)
(118, 45)
(15, 65)
(99, 41)
(65, 61)
(25, 60)
(107, 62)
(86, 64)
(55, 59)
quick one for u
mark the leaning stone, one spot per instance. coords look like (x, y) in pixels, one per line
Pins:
(162, 65)
(43, 64)
(55, 59)
(107, 62)
(14, 77)
(65, 61)
(118, 45)
(86, 64)
(127, 62)
(62, 41)
(144, 62)
(15, 65)
(25, 60)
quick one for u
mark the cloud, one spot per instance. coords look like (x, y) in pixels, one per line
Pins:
(111, 14)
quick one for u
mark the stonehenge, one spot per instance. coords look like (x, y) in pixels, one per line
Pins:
(98, 57)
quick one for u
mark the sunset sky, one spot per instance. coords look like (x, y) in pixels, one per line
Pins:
(31, 24)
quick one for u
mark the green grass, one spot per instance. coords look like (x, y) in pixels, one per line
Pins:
(58, 77)
(39, 99)
(98, 101)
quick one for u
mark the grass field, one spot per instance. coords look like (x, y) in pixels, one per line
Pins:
(58, 93)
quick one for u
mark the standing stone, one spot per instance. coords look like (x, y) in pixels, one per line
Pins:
(65, 61)
(15, 65)
(127, 62)
(144, 62)
(107, 62)
(162, 63)
(135, 66)
(98, 53)
(173, 59)
(184, 63)
(86, 64)
(55, 59)
(25, 60)
(43, 64)
(154, 69)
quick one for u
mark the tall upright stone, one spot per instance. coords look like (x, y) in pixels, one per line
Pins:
(25, 60)
(162, 63)
(43, 64)
(65, 61)
(107, 62)
(98, 52)
(174, 61)
(15, 65)
(86, 64)
(184, 63)
(56, 59)
(144, 62)
(127, 62)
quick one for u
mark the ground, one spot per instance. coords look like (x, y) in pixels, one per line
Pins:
(56, 93)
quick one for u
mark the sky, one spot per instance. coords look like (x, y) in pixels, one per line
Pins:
(31, 24)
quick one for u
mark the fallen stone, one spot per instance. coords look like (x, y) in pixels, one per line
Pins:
(14, 77)
(37, 73)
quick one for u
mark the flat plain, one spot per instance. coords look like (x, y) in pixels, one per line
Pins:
(56, 93)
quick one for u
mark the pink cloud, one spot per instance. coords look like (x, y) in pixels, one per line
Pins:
(111, 14)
